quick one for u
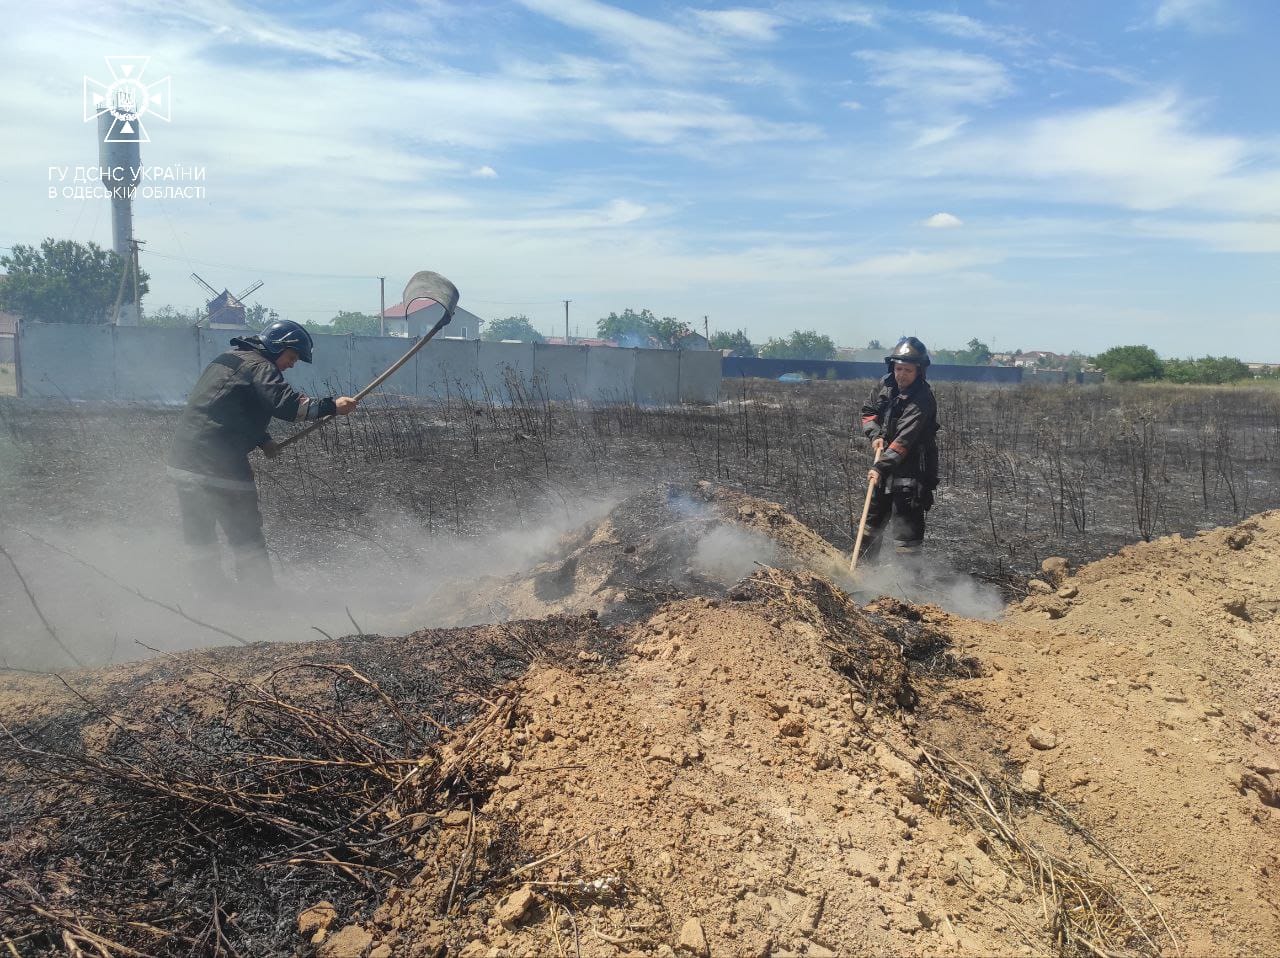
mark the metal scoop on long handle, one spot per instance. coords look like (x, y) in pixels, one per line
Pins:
(424, 285)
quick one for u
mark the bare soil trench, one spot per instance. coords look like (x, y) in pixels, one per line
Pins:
(685, 738)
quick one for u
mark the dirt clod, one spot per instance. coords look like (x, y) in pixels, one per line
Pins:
(515, 907)
(692, 939)
(317, 918)
(1055, 568)
(1041, 739)
(349, 942)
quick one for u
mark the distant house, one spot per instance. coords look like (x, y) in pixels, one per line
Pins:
(1040, 357)
(464, 325)
(692, 340)
(8, 330)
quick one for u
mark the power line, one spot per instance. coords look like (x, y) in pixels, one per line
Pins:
(263, 269)
(516, 302)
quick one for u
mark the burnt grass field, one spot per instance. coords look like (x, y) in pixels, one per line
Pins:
(1028, 471)
(223, 806)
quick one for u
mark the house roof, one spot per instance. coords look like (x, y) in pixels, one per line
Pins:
(396, 311)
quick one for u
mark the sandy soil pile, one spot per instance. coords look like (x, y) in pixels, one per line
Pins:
(1151, 674)
(763, 766)
(661, 545)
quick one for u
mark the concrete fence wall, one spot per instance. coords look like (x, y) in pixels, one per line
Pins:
(150, 364)
(736, 366)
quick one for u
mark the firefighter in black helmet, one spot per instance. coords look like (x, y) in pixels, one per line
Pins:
(901, 420)
(237, 395)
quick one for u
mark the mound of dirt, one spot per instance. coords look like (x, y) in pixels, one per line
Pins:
(658, 546)
(1142, 691)
(706, 760)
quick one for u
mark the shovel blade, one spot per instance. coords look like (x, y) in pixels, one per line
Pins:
(426, 285)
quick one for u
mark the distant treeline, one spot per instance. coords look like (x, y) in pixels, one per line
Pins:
(1142, 364)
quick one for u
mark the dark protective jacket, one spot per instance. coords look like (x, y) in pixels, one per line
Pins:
(908, 421)
(227, 415)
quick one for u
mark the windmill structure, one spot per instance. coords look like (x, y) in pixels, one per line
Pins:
(223, 310)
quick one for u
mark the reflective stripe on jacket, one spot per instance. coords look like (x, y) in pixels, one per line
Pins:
(908, 422)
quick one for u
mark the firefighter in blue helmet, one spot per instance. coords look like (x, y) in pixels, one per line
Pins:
(901, 420)
(227, 415)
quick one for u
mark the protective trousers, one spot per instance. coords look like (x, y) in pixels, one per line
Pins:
(203, 510)
(899, 508)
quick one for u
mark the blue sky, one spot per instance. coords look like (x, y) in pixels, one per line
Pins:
(1044, 175)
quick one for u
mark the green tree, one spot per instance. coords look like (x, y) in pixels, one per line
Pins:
(736, 342)
(1181, 371)
(63, 281)
(170, 316)
(258, 316)
(628, 324)
(347, 323)
(667, 330)
(641, 329)
(1209, 370)
(1075, 361)
(801, 344)
(975, 353)
(1130, 363)
(511, 327)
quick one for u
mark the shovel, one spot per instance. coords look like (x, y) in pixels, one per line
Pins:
(862, 525)
(424, 285)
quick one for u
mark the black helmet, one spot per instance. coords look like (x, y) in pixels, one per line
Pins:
(286, 334)
(909, 350)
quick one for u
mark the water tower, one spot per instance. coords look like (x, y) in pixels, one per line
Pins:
(120, 158)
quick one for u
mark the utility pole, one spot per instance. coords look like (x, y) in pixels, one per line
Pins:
(706, 328)
(382, 313)
(566, 321)
(137, 296)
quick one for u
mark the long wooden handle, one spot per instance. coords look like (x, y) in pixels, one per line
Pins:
(444, 321)
(862, 525)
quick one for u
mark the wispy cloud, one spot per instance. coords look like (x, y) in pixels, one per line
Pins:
(225, 22)
(967, 28)
(930, 79)
(1198, 16)
(917, 263)
(931, 91)
(1230, 236)
(755, 25)
(943, 221)
(835, 11)
(647, 43)
(1143, 154)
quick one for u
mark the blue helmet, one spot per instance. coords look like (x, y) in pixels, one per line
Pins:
(286, 334)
